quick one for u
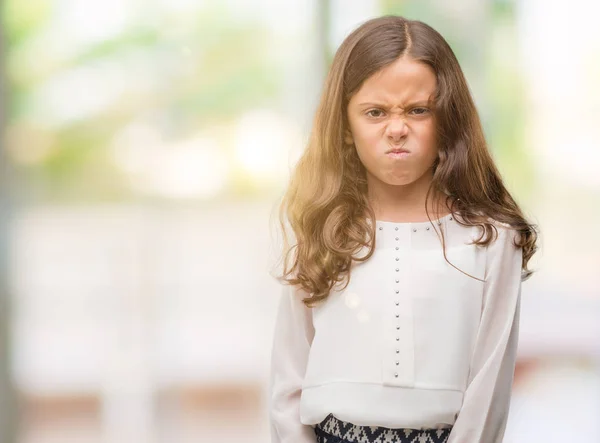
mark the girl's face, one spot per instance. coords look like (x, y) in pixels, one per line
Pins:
(391, 112)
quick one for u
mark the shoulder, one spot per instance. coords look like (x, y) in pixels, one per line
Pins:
(503, 252)
(483, 226)
(505, 233)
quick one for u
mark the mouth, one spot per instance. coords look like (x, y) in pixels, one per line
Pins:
(398, 153)
(398, 150)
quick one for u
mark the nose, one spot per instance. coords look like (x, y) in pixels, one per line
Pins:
(396, 128)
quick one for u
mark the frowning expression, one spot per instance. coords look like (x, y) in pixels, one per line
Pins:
(392, 122)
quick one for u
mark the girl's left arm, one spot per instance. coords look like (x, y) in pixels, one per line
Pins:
(484, 412)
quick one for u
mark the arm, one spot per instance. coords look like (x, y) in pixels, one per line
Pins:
(484, 412)
(291, 344)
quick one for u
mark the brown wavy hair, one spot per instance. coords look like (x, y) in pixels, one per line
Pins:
(326, 203)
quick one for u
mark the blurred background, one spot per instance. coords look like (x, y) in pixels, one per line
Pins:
(145, 146)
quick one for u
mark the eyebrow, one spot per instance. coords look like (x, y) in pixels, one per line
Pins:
(417, 102)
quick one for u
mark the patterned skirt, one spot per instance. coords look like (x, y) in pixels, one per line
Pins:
(334, 430)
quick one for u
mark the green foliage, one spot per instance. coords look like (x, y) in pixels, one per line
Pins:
(206, 68)
(23, 18)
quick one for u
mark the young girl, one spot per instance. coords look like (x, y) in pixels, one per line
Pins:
(396, 326)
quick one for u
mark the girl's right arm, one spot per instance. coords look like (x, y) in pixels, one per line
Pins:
(292, 339)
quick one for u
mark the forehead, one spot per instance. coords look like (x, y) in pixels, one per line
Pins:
(402, 81)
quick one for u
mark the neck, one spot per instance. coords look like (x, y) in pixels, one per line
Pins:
(406, 203)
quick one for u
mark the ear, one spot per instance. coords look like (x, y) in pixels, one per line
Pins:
(348, 139)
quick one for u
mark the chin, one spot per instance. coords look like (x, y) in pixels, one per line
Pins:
(398, 179)
(402, 183)
(399, 182)
(402, 178)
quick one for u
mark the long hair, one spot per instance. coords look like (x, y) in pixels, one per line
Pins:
(326, 203)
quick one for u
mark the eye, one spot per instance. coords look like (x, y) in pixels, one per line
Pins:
(425, 111)
(373, 110)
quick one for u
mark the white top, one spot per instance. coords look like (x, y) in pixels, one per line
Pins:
(410, 343)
